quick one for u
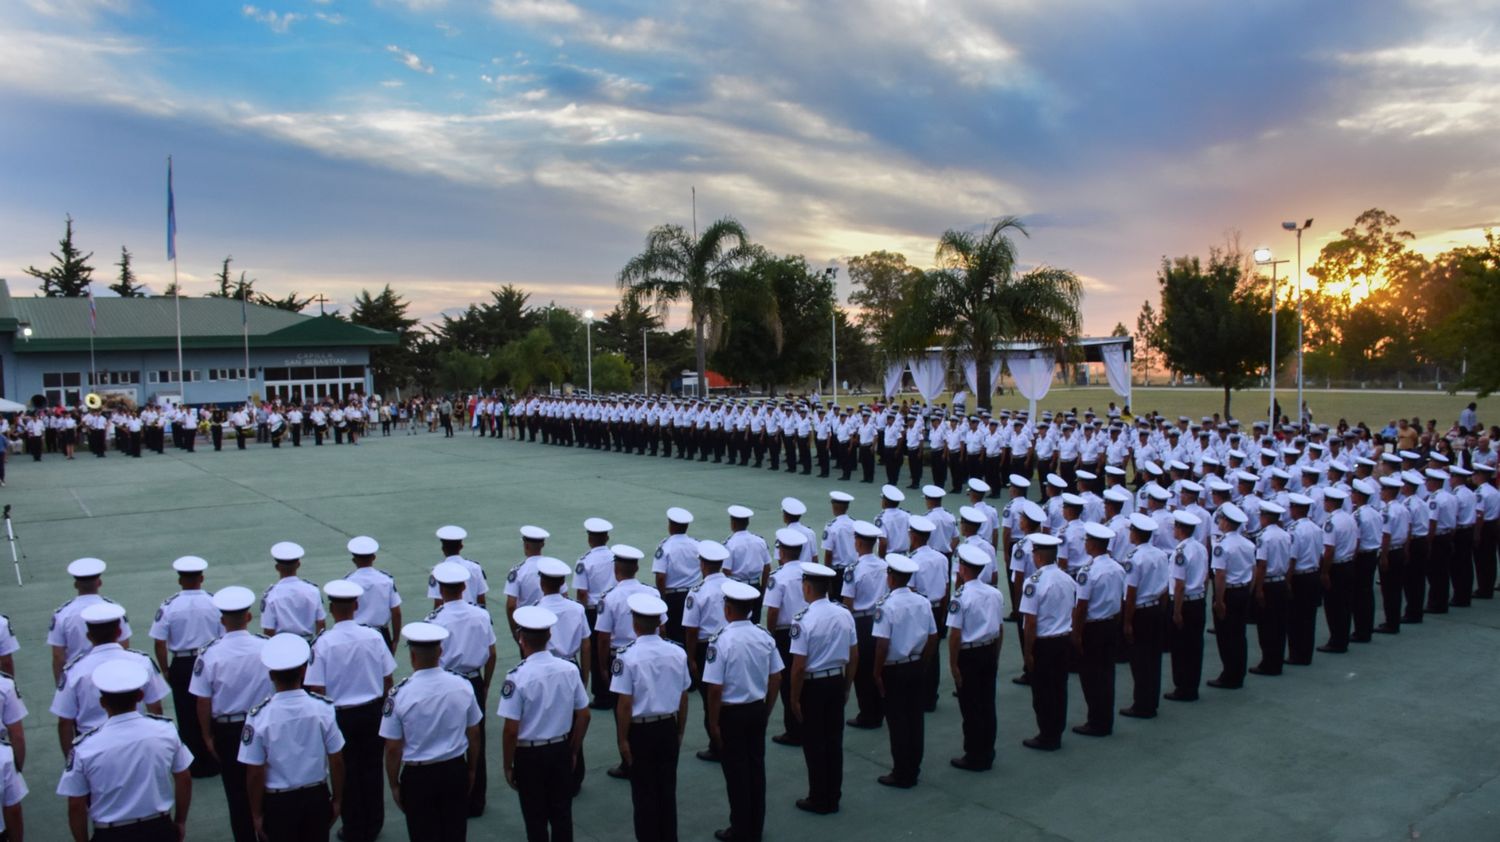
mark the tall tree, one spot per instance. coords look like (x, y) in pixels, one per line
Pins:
(882, 282)
(776, 299)
(223, 279)
(1472, 331)
(1147, 327)
(982, 300)
(392, 366)
(291, 302)
(619, 331)
(125, 286)
(676, 267)
(71, 276)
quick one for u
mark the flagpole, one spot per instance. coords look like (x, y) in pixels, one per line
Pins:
(245, 326)
(93, 328)
(176, 288)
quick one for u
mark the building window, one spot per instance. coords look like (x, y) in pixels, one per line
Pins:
(314, 383)
(63, 388)
(115, 378)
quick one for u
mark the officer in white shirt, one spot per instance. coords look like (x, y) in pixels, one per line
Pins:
(650, 680)
(1189, 572)
(1340, 543)
(974, 620)
(675, 567)
(905, 640)
(12, 788)
(76, 702)
(352, 666)
(184, 624)
(291, 604)
(227, 681)
(451, 539)
(783, 600)
(469, 651)
(379, 601)
(521, 586)
(130, 775)
(931, 581)
(1304, 584)
(1146, 578)
(792, 511)
(430, 723)
(292, 750)
(702, 618)
(892, 520)
(864, 585)
(1047, 602)
(1233, 567)
(546, 712)
(1097, 629)
(1395, 532)
(1273, 564)
(749, 557)
(9, 646)
(838, 539)
(1487, 500)
(613, 628)
(593, 574)
(1369, 521)
(66, 634)
(825, 657)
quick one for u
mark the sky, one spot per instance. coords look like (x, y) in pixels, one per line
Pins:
(447, 147)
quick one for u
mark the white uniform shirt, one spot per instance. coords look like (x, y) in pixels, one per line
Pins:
(748, 556)
(1146, 569)
(594, 573)
(654, 673)
(931, 578)
(12, 709)
(1049, 595)
(291, 734)
(1341, 533)
(524, 582)
(1307, 545)
(809, 549)
(823, 632)
(864, 583)
(541, 693)
(125, 768)
(1396, 524)
(704, 608)
(894, 523)
(380, 596)
(77, 698)
(784, 593)
(230, 674)
(1102, 583)
(976, 610)
(614, 612)
(477, 586)
(12, 785)
(8, 643)
(677, 557)
(350, 662)
(471, 633)
(838, 538)
(1274, 547)
(68, 629)
(292, 604)
(1235, 555)
(741, 659)
(904, 617)
(571, 629)
(187, 621)
(430, 710)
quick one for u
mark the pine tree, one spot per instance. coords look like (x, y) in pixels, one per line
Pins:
(126, 286)
(71, 276)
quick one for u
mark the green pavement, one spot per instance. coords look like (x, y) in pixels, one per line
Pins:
(1395, 740)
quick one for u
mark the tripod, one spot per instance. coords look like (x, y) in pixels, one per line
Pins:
(10, 536)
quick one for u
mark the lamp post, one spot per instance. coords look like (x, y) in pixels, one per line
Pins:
(588, 338)
(25, 334)
(831, 273)
(1292, 226)
(1263, 258)
(645, 365)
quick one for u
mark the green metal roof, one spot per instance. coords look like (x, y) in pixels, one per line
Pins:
(137, 324)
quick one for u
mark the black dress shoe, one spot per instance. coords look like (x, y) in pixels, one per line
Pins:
(708, 755)
(1435, 611)
(1138, 714)
(1023, 680)
(1175, 696)
(725, 835)
(968, 765)
(892, 780)
(1333, 650)
(1365, 639)
(786, 740)
(1090, 731)
(1221, 685)
(1259, 670)
(621, 771)
(1411, 620)
(1386, 628)
(820, 809)
(1040, 745)
(861, 724)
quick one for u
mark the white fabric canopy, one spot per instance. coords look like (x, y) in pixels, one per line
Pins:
(971, 376)
(997, 365)
(1117, 369)
(927, 372)
(893, 374)
(1032, 373)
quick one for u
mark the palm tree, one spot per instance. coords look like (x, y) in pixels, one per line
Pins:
(677, 265)
(982, 300)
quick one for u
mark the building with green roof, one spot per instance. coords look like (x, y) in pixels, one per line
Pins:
(45, 351)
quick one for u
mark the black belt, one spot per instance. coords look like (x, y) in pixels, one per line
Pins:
(1236, 587)
(186, 653)
(432, 762)
(979, 644)
(1270, 579)
(646, 720)
(539, 743)
(356, 705)
(828, 673)
(129, 822)
(911, 660)
(284, 790)
(230, 718)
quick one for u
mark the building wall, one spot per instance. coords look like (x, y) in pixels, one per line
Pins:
(214, 376)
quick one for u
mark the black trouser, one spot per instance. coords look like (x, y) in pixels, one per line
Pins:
(790, 725)
(1270, 628)
(1363, 593)
(544, 784)
(848, 454)
(675, 602)
(1337, 602)
(481, 777)
(871, 711)
(319, 429)
(1187, 648)
(933, 667)
(823, 740)
(977, 667)
(1302, 616)
(364, 793)
(939, 469)
(1096, 671)
(914, 466)
(1439, 558)
(743, 758)
(1461, 571)
(823, 463)
(1484, 559)
(1391, 583)
(804, 452)
(185, 706)
(653, 779)
(297, 433)
(1229, 634)
(867, 462)
(232, 772)
(1146, 628)
(890, 457)
(302, 815)
(96, 442)
(189, 438)
(434, 799)
(773, 445)
(1415, 579)
(34, 447)
(1049, 686)
(599, 667)
(156, 830)
(904, 699)
(239, 437)
(956, 468)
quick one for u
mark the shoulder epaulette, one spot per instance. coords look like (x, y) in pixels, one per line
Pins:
(168, 600)
(263, 703)
(397, 686)
(433, 614)
(85, 735)
(322, 698)
(159, 718)
(262, 635)
(64, 605)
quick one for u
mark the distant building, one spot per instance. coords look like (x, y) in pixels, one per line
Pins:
(44, 350)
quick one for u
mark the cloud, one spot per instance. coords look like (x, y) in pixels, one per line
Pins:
(536, 11)
(391, 83)
(410, 59)
(332, 19)
(279, 23)
(448, 29)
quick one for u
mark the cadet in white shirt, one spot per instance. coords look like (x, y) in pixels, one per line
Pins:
(1395, 531)
(469, 651)
(430, 724)
(749, 557)
(379, 601)
(675, 568)
(76, 702)
(825, 658)
(792, 511)
(905, 640)
(742, 674)
(1146, 579)
(614, 629)
(783, 601)
(1047, 602)
(130, 775)
(1305, 583)
(66, 634)
(702, 618)
(1273, 561)
(451, 539)
(864, 585)
(292, 750)
(9, 646)
(546, 712)
(1340, 542)
(974, 619)
(931, 581)
(1189, 588)
(1233, 569)
(227, 681)
(838, 540)
(650, 680)
(1369, 522)
(352, 666)
(1097, 629)
(184, 624)
(292, 604)
(892, 521)
(592, 576)
(521, 586)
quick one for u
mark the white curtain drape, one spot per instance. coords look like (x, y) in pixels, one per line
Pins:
(996, 366)
(927, 372)
(971, 376)
(893, 374)
(1033, 374)
(1117, 369)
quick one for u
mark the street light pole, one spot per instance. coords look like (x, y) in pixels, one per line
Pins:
(645, 365)
(1292, 226)
(1263, 258)
(588, 338)
(831, 273)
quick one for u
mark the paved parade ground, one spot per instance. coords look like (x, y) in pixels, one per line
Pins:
(1397, 739)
